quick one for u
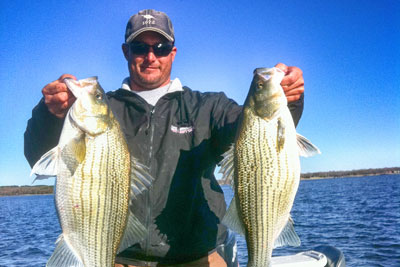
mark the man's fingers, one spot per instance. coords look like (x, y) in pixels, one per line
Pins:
(297, 91)
(295, 85)
(293, 75)
(292, 83)
(57, 98)
(57, 86)
(282, 67)
(293, 98)
(54, 88)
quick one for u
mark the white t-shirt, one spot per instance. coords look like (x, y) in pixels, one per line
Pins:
(152, 96)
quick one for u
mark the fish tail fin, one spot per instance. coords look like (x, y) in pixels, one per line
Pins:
(46, 166)
(232, 219)
(134, 232)
(227, 166)
(288, 236)
(140, 178)
(63, 256)
(306, 148)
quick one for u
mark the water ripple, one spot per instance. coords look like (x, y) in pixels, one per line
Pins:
(360, 216)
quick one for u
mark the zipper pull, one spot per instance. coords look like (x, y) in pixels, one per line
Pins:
(149, 121)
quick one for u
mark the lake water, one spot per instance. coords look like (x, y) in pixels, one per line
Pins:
(360, 216)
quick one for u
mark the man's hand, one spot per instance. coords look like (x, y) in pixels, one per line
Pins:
(292, 83)
(57, 97)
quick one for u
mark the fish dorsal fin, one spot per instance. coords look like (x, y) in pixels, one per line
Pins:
(232, 219)
(134, 232)
(140, 177)
(288, 236)
(64, 256)
(227, 167)
(46, 166)
(306, 148)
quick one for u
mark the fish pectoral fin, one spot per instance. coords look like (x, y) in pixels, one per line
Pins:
(134, 232)
(46, 166)
(288, 236)
(73, 153)
(280, 135)
(227, 166)
(306, 148)
(232, 219)
(140, 178)
(64, 256)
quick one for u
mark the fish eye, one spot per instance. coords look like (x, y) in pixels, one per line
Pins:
(99, 96)
(260, 85)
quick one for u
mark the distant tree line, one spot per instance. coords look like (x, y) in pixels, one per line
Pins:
(361, 172)
(25, 190)
(46, 189)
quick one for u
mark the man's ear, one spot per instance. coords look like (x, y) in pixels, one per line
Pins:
(125, 50)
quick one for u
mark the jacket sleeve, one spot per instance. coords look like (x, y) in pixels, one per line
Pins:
(42, 133)
(226, 115)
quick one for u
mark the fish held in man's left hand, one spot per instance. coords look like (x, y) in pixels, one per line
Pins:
(264, 166)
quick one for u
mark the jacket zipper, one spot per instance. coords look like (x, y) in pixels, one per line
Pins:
(150, 131)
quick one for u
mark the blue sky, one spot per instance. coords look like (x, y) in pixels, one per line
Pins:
(349, 52)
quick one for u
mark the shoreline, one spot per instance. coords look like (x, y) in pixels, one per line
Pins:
(338, 177)
(347, 176)
(41, 190)
(25, 195)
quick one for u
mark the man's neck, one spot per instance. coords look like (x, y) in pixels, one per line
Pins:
(138, 88)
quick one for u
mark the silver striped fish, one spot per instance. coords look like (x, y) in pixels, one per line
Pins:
(96, 178)
(264, 166)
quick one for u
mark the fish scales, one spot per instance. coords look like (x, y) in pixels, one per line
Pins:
(96, 179)
(103, 175)
(265, 187)
(266, 169)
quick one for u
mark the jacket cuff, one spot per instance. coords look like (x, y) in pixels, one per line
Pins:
(296, 109)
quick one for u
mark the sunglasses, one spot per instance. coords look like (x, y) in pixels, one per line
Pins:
(159, 49)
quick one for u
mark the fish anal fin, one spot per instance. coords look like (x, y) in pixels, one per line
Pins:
(306, 148)
(64, 256)
(134, 232)
(288, 236)
(232, 219)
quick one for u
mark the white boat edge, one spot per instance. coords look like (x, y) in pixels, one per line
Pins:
(303, 259)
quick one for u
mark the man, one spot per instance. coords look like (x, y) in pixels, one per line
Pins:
(178, 133)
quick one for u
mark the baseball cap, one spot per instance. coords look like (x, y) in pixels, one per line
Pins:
(149, 20)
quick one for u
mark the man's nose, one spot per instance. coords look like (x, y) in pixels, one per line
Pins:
(150, 55)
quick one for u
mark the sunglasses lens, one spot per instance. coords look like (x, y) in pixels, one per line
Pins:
(139, 48)
(160, 49)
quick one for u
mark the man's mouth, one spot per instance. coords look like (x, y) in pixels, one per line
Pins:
(148, 69)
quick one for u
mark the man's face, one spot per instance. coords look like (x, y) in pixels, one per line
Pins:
(148, 71)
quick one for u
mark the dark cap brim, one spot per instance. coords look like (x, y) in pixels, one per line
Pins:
(152, 29)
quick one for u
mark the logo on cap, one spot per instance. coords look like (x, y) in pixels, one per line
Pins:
(149, 19)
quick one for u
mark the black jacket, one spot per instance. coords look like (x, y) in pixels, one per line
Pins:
(181, 140)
